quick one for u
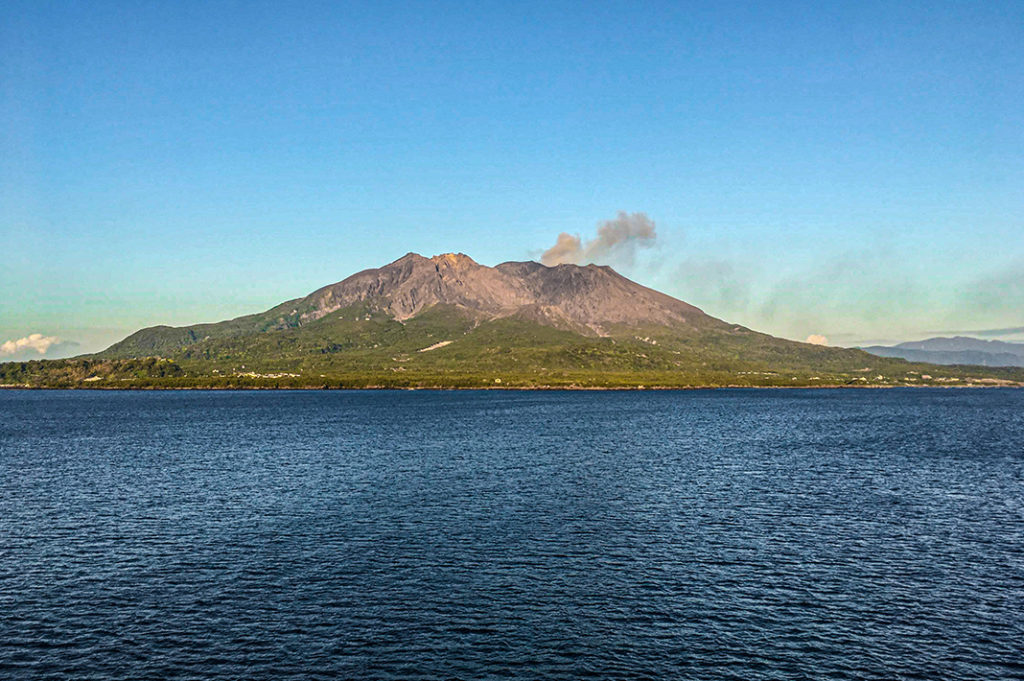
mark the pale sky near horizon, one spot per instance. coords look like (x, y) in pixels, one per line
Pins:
(854, 170)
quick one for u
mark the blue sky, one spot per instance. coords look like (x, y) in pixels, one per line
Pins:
(848, 169)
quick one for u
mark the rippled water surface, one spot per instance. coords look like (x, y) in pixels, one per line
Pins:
(442, 535)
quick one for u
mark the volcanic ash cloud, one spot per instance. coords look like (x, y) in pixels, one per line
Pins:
(616, 239)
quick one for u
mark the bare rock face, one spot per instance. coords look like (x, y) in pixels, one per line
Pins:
(584, 299)
(413, 283)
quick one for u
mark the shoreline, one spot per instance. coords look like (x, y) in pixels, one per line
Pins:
(510, 388)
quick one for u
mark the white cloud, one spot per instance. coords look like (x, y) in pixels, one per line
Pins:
(817, 339)
(34, 341)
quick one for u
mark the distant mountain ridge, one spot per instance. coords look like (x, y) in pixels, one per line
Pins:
(955, 350)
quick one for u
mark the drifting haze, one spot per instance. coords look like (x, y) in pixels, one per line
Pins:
(871, 292)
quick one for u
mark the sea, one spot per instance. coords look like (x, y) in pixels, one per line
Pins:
(708, 534)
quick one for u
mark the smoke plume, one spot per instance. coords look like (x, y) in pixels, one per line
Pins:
(616, 239)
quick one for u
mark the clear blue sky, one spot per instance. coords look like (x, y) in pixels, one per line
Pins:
(849, 169)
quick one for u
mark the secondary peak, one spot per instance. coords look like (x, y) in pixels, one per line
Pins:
(454, 259)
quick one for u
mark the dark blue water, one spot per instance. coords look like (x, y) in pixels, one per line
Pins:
(466, 535)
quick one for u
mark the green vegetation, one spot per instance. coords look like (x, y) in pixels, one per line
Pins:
(69, 373)
(447, 347)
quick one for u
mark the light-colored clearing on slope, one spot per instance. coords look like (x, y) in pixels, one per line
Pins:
(435, 346)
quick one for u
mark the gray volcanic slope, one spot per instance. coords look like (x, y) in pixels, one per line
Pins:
(591, 300)
(591, 296)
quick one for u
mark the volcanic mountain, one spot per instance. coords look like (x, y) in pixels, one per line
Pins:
(591, 301)
(448, 321)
